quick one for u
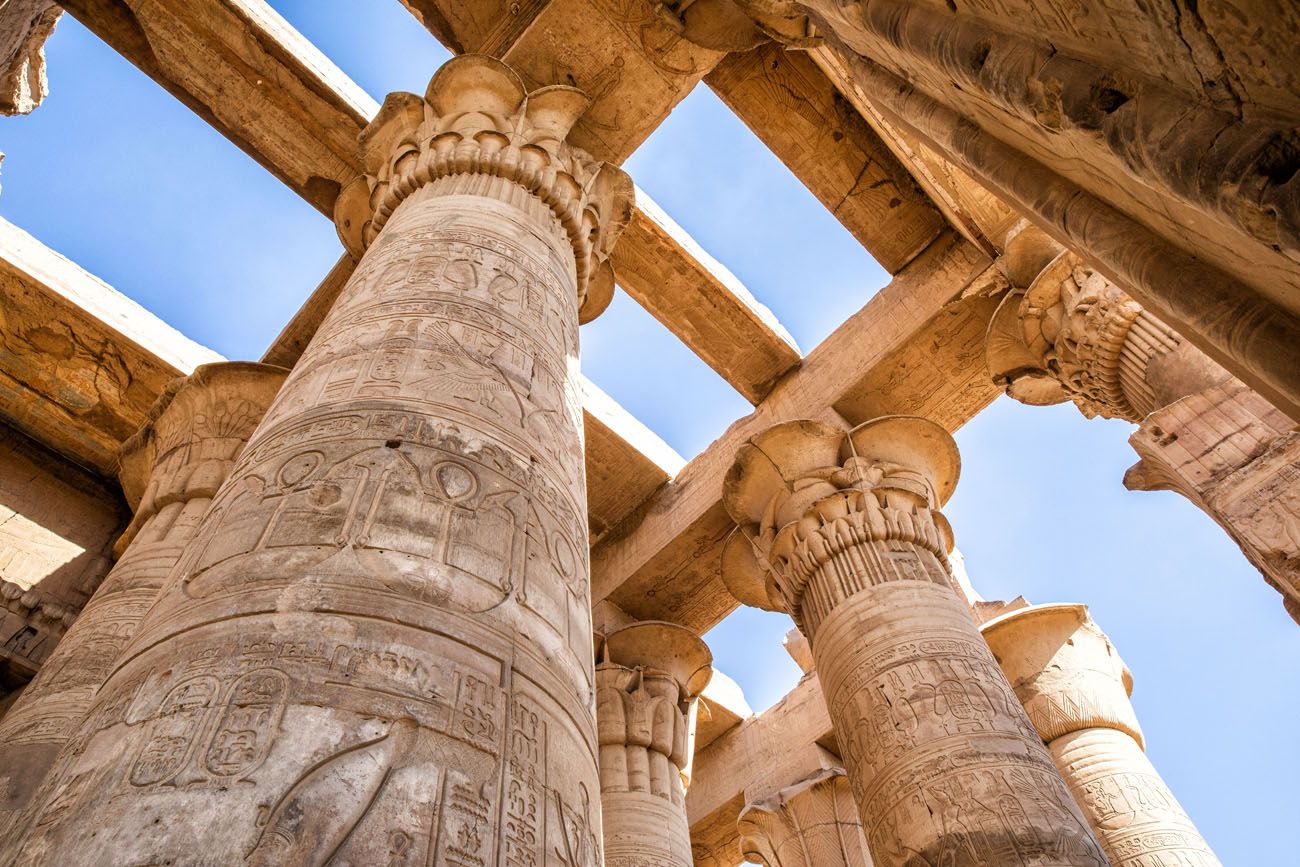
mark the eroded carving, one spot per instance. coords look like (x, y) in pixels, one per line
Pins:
(1075, 688)
(842, 529)
(170, 470)
(378, 647)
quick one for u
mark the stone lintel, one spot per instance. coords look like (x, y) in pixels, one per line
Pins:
(915, 348)
(82, 363)
(791, 105)
(698, 299)
(972, 209)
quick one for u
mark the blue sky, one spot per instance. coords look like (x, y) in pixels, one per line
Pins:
(118, 176)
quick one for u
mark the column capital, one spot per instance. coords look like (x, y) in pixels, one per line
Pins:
(804, 493)
(1062, 337)
(1064, 670)
(477, 118)
(195, 430)
(812, 823)
(649, 676)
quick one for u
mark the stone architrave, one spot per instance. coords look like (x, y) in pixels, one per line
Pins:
(171, 469)
(813, 823)
(1074, 335)
(842, 530)
(1076, 690)
(648, 678)
(379, 649)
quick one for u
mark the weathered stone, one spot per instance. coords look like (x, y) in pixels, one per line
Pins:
(1074, 335)
(842, 530)
(1076, 689)
(380, 641)
(24, 27)
(648, 678)
(170, 471)
(812, 823)
(1207, 235)
(1237, 458)
(57, 525)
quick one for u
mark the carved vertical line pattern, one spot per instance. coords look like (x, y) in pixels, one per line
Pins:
(1147, 338)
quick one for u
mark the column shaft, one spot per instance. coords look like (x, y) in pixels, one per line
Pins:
(1075, 689)
(379, 649)
(1138, 820)
(648, 680)
(174, 466)
(944, 765)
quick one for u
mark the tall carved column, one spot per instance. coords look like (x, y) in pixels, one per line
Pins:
(1075, 688)
(813, 823)
(1074, 335)
(648, 679)
(171, 470)
(843, 532)
(379, 648)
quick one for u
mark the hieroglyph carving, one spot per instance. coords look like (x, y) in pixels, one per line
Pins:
(171, 469)
(843, 531)
(378, 649)
(813, 823)
(1076, 690)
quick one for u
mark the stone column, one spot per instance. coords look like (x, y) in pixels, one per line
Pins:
(812, 823)
(843, 532)
(1074, 335)
(648, 679)
(1237, 458)
(170, 470)
(379, 648)
(1076, 690)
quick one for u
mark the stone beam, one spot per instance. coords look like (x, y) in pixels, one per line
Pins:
(625, 54)
(80, 363)
(243, 69)
(757, 749)
(1171, 176)
(915, 347)
(791, 105)
(626, 461)
(698, 299)
(971, 208)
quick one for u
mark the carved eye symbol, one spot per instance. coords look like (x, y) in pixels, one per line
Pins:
(298, 468)
(565, 560)
(455, 482)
